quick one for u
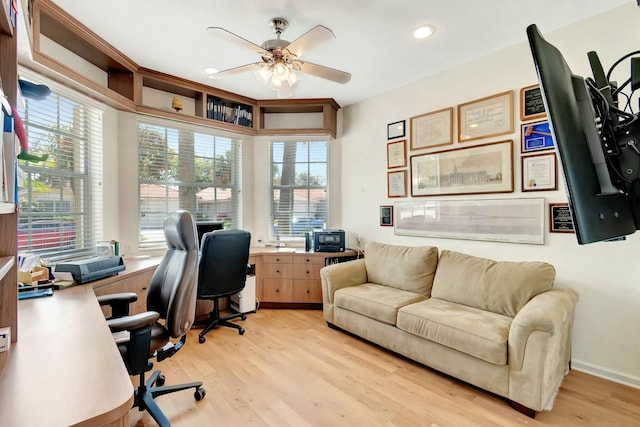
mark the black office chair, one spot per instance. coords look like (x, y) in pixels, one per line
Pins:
(171, 297)
(224, 255)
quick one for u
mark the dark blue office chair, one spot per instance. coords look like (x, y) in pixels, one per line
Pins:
(171, 297)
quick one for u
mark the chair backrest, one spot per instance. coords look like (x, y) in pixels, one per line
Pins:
(224, 255)
(172, 291)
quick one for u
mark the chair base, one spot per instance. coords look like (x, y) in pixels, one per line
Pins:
(148, 390)
(215, 320)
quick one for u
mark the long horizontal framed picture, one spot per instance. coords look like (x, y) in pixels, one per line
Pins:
(486, 168)
(494, 220)
(485, 117)
(432, 129)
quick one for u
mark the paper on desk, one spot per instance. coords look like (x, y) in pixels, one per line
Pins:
(63, 275)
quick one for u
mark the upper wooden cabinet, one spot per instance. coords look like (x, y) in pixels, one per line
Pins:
(62, 46)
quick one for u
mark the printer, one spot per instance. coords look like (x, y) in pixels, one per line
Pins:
(90, 269)
(328, 241)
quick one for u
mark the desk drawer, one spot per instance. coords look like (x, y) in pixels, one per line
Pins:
(278, 259)
(277, 271)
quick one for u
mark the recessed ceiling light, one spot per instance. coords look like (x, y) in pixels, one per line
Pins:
(211, 70)
(424, 31)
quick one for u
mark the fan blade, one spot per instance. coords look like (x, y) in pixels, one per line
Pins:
(309, 40)
(234, 71)
(238, 40)
(324, 72)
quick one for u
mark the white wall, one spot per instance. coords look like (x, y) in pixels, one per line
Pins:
(606, 338)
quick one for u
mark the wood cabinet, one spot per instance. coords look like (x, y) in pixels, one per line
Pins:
(290, 279)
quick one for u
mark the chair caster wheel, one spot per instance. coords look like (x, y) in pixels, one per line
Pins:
(243, 317)
(160, 380)
(241, 331)
(199, 394)
(201, 339)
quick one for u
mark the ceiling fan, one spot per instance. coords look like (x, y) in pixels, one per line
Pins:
(281, 59)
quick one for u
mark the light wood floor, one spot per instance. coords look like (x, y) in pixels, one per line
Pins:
(291, 369)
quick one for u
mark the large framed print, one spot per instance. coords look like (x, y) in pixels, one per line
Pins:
(536, 136)
(395, 130)
(539, 172)
(396, 154)
(486, 168)
(397, 184)
(432, 129)
(531, 103)
(486, 117)
(560, 218)
(495, 220)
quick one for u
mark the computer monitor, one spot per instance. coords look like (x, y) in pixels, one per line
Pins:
(598, 145)
(207, 226)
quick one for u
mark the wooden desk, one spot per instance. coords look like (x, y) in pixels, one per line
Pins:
(65, 369)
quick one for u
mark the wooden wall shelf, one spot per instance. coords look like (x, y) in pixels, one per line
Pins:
(127, 83)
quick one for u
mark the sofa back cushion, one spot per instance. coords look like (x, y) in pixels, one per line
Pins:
(499, 286)
(402, 267)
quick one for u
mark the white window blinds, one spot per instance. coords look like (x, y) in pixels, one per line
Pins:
(299, 179)
(188, 167)
(60, 198)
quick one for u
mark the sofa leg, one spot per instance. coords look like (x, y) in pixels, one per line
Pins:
(523, 409)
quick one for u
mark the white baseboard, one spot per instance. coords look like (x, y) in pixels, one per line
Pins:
(607, 374)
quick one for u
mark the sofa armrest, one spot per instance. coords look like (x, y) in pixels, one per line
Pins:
(337, 276)
(540, 347)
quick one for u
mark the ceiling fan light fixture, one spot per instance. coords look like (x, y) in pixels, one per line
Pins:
(264, 73)
(280, 71)
(424, 31)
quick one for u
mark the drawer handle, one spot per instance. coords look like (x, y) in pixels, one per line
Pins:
(277, 290)
(308, 272)
(277, 259)
(308, 291)
(308, 260)
(277, 271)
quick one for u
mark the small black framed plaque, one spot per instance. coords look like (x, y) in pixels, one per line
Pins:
(531, 104)
(386, 216)
(560, 218)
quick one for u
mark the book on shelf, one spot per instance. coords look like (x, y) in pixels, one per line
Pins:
(227, 112)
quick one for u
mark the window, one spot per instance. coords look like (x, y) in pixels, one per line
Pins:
(299, 203)
(186, 167)
(60, 197)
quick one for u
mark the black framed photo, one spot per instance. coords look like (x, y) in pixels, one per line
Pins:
(396, 130)
(386, 216)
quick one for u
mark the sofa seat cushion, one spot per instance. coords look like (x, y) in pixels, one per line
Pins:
(478, 333)
(375, 301)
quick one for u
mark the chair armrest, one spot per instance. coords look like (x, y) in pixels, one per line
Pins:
(342, 275)
(119, 303)
(136, 321)
(548, 312)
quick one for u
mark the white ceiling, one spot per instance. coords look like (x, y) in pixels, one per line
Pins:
(373, 37)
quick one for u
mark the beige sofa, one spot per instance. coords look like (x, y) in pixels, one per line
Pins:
(498, 325)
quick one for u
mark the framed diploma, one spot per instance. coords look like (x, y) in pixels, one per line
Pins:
(531, 104)
(395, 130)
(560, 218)
(432, 129)
(482, 118)
(396, 154)
(386, 216)
(397, 184)
(539, 172)
(536, 136)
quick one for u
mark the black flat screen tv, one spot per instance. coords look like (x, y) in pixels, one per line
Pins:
(596, 143)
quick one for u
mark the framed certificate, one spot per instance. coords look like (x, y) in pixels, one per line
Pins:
(397, 184)
(396, 154)
(482, 118)
(395, 130)
(539, 172)
(432, 129)
(531, 104)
